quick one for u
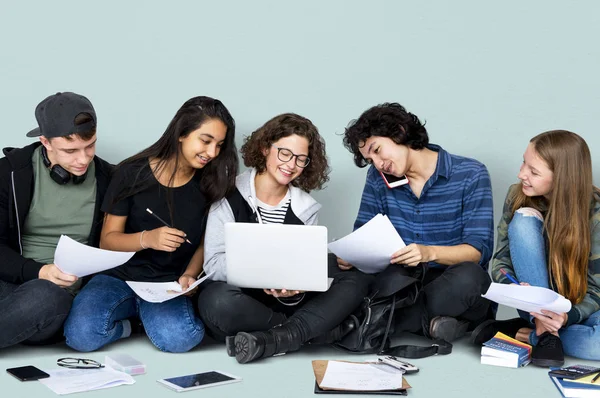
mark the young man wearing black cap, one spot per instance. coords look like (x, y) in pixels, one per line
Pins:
(47, 189)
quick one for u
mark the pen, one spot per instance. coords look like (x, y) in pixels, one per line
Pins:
(164, 222)
(596, 377)
(509, 276)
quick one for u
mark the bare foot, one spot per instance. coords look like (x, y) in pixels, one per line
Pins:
(523, 335)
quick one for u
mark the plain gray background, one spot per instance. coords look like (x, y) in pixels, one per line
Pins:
(485, 76)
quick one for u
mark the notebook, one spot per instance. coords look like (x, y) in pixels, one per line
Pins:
(277, 256)
(570, 389)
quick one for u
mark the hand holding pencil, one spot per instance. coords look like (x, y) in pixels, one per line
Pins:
(164, 238)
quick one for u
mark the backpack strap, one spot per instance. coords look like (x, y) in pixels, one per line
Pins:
(437, 347)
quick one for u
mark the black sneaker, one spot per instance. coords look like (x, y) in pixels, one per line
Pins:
(548, 352)
(488, 329)
(447, 328)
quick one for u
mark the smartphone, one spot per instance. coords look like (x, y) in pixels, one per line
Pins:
(393, 181)
(27, 373)
(574, 371)
(199, 380)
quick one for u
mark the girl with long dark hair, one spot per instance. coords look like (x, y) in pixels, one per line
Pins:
(192, 165)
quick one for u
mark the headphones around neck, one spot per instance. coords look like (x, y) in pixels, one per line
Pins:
(58, 173)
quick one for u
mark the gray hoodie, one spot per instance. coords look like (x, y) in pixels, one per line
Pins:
(302, 204)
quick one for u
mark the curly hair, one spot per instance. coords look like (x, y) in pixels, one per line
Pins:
(385, 120)
(315, 175)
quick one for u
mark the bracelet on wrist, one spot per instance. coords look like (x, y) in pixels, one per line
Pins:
(141, 240)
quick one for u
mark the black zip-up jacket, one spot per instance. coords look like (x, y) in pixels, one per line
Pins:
(16, 193)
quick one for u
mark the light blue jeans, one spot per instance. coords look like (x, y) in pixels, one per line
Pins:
(98, 311)
(528, 254)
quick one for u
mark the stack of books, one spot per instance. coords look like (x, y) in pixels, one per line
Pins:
(583, 387)
(502, 350)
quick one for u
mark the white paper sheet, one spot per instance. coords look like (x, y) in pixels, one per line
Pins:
(77, 259)
(527, 298)
(68, 381)
(360, 377)
(370, 247)
(158, 292)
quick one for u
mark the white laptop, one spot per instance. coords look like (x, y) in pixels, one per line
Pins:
(277, 256)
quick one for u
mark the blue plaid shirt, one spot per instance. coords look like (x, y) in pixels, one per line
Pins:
(455, 206)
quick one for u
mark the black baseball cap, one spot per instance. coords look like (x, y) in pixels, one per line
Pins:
(56, 115)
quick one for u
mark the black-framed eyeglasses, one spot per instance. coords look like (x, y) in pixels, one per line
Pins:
(78, 363)
(285, 155)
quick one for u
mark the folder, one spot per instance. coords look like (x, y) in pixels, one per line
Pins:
(319, 368)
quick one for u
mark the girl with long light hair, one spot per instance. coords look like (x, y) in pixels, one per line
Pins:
(549, 236)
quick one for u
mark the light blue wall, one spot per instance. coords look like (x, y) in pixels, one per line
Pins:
(486, 77)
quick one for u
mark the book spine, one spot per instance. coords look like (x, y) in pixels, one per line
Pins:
(498, 344)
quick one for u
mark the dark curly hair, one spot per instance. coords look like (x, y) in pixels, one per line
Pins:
(385, 120)
(315, 175)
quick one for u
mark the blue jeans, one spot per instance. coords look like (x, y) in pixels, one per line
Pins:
(528, 254)
(98, 311)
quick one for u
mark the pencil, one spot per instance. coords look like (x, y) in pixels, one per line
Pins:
(164, 222)
(509, 276)
(596, 377)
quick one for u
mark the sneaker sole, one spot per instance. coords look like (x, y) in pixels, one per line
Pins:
(245, 347)
(548, 363)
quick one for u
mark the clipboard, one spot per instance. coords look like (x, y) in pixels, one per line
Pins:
(319, 368)
(319, 390)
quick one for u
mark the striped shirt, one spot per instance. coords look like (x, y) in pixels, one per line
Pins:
(455, 206)
(274, 214)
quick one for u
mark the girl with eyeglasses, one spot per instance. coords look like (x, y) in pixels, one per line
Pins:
(286, 160)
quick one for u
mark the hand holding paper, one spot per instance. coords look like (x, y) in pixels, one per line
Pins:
(370, 247)
(157, 292)
(527, 298)
(75, 258)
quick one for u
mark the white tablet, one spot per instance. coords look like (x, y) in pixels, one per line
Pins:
(199, 380)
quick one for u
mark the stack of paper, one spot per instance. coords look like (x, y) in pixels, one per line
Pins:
(340, 376)
(502, 350)
(68, 381)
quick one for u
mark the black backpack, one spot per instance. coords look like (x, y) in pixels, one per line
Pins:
(393, 290)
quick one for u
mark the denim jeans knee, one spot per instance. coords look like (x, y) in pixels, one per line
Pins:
(583, 340)
(528, 247)
(97, 310)
(32, 312)
(172, 326)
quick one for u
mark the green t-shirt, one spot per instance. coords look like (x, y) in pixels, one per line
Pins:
(57, 210)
